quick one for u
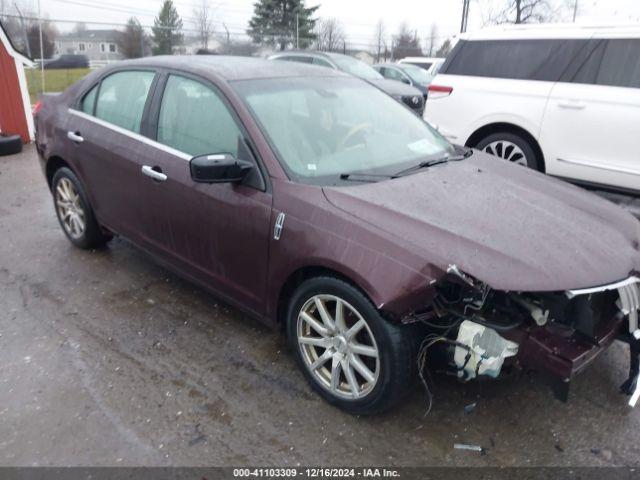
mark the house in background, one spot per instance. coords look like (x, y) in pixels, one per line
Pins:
(15, 107)
(97, 45)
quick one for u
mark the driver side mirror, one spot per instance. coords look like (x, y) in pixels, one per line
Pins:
(219, 168)
(405, 80)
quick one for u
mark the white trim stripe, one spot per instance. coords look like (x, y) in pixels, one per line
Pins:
(130, 134)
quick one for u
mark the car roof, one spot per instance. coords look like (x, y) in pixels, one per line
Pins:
(230, 68)
(420, 59)
(552, 31)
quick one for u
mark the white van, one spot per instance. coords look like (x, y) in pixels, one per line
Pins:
(430, 64)
(563, 99)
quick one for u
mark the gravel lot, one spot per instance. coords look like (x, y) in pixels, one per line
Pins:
(108, 359)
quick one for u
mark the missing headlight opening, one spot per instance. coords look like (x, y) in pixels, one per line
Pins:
(479, 331)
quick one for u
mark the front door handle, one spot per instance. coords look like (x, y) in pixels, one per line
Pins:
(75, 137)
(572, 104)
(155, 174)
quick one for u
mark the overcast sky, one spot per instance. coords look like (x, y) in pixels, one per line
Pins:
(358, 16)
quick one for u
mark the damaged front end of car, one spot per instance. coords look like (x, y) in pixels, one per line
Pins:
(558, 334)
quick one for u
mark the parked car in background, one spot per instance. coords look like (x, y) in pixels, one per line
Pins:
(67, 61)
(406, 73)
(564, 100)
(406, 94)
(316, 203)
(430, 64)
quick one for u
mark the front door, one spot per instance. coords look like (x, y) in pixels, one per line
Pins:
(217, 233)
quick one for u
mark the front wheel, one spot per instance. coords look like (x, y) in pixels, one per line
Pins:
(350, 355)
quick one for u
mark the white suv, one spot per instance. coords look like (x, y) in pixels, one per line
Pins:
(561, 99)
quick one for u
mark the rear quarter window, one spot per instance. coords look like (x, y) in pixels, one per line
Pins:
(544, 59)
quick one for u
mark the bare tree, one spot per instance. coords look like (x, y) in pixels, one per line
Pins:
(203, 20)
(330, 35)
(530, 11)
(380, 42)
(432, 40)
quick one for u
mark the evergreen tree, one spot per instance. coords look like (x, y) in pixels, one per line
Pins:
(282, 23)
(166, 29)
(133, 42)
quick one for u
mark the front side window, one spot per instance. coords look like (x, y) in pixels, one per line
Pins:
(194, 119)
(544, 59)
(322, 128)
(122, 98)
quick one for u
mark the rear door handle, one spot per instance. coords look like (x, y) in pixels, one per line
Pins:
(75, 137)
(572, 104)
(150, 172)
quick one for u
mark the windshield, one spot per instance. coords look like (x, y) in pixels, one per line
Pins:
(323, 128)
(417, 74)
(355, 67)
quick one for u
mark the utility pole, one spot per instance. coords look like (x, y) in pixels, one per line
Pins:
(41, 48)
(465, 15)
(297, 31)
(575, 10)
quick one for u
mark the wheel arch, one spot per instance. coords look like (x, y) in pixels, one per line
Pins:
(496, 127)
(55, 163)
(298, 276)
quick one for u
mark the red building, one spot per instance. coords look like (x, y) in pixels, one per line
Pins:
(15, 107)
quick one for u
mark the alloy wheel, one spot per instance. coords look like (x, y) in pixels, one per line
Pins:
(70, 209)
(338, 347)
(507, 150)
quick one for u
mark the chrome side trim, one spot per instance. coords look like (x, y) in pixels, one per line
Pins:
(612, 168)
(133, 135)
(277, 228)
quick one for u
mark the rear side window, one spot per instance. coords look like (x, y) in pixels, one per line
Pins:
(543, 59)
(195, 120)
(89, 101)
(620, 66)
(122, 98)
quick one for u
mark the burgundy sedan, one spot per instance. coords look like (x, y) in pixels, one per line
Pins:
(318, 204)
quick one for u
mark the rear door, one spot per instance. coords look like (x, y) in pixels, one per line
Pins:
(105, 130)
(590, 129)
(216, 233)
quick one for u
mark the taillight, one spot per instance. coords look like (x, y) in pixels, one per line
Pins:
(36, 108)
(439, 91)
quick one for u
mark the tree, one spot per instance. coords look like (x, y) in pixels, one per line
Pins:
(379, 39)
(329, 34)
(132, 41)
(444, 49)
(282, 23)
(166, 29)
(49, 34)
(529, 11)
(202, 18)
(431, 40)
(406, 44)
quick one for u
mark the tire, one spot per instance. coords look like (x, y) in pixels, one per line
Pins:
(74, 212)
(394, 369)
(10, 144)
(512, 147)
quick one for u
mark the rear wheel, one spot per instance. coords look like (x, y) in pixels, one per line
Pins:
(511, 147)
(74, 212)
(350, 355)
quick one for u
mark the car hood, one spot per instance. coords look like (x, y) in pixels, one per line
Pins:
(513, 228)
(395, 88)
